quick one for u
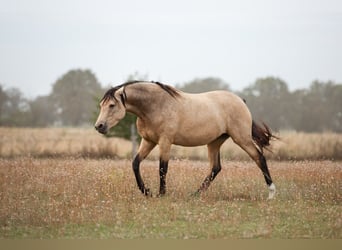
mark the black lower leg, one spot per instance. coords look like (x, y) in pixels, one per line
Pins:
(163, 166)
(140, 183)
(209, 178)
(264, 169)
(215, 170)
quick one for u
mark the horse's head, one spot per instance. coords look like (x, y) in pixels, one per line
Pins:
(112, 110)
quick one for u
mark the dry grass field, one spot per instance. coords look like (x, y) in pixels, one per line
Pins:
(86, 142)
(61, 183)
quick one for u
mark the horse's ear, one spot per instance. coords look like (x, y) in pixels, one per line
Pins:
(123, 98)
(121, 93)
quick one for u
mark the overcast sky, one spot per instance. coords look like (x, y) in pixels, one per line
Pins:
(170, 41)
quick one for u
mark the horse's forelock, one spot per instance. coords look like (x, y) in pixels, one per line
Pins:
(110, 94)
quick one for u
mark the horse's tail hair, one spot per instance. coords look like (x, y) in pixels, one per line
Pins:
(262, 135)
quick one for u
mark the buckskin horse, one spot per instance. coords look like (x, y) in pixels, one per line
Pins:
(169, 116)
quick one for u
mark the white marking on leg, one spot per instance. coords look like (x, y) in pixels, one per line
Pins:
(272, 191)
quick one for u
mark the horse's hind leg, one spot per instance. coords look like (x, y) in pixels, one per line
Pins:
(260, 160)
(215, 161)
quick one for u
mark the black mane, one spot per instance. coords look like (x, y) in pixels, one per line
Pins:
(110, 93)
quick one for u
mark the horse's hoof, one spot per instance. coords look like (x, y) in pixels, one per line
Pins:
(147, 192)
(272, 191)
(196, 194)
(271, 196)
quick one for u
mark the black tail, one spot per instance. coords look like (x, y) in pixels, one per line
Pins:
(262, 135)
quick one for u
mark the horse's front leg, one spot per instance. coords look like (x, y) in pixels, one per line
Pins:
(165, 147)
(163, 166)
(144, 149)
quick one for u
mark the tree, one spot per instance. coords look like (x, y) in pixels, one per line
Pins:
(199, 85)
(335, 103)
(3, 100)
(73, 97)
(267, 100)
(42, 112)
(14, 108)
(319, 107)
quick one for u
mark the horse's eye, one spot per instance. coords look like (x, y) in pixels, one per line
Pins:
(111, 106)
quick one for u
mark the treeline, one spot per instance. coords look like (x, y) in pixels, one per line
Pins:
(315, 109)
(74, 98)
(72, 102)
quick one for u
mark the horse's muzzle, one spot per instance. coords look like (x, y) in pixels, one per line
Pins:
(101, 128)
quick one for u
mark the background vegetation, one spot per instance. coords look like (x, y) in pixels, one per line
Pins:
(75, 95)
(86, 142)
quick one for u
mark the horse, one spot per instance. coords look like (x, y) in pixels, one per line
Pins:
(166, 116)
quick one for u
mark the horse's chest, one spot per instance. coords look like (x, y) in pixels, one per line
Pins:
(147, 131)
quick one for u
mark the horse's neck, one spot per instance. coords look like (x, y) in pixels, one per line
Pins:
(142, 101)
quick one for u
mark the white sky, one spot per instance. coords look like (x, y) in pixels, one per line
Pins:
(171, 41)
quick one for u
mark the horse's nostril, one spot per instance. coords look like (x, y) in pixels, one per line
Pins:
(100, 126)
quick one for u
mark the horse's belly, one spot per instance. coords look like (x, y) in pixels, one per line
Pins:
(200, 127)
(196, 137)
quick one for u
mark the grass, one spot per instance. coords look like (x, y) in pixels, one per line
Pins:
(74, 183)
(83, 198)
(60, 142)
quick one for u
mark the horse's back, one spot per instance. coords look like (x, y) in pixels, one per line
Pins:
(205, 116)
(225, 103)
